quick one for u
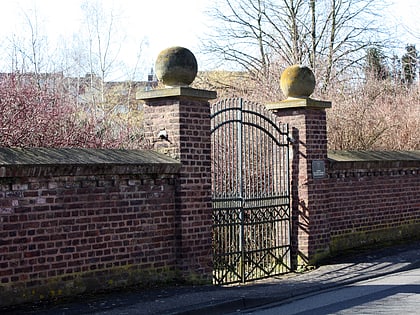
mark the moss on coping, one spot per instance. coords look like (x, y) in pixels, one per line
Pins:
(176, 66)
(297, 81)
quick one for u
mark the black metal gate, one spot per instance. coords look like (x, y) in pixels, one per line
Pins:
(250, 193)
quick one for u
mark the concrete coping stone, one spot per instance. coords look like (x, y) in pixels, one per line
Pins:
(355, 156)
(373, 160)
(183, 91)
(291, 102)
(83, 160)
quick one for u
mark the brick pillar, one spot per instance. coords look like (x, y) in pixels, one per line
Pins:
(309, 190)
(177, 123)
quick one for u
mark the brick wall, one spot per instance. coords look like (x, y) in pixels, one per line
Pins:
(184, 113)
(68, 228)
(310, 230)
(364, 197)
(374, 197)
(78, 220)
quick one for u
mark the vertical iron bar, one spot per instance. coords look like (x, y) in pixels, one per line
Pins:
(241, 190)
(287, 179)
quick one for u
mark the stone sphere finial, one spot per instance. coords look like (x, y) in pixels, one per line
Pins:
(297, 82)
(176, 66)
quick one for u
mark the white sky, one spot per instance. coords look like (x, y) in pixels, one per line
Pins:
(161, 20)
(404, 14)
(161, 23)
(157, 23)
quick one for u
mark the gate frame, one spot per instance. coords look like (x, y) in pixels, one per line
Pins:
(173, 110)
(238, 204)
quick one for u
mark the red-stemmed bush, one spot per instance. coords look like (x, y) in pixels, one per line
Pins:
(35, 114)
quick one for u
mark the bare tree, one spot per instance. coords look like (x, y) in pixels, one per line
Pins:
(331, 36)
(104, 44)
(239, 36)
(349, 29)
(30, 50)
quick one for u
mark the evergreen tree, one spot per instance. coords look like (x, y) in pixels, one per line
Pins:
(409, 64)
(376, 64)
(396, 69)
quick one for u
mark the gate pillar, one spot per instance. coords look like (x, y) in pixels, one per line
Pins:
(177, 123)
(307, 123)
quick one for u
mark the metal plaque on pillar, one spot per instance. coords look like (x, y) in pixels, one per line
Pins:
(318, 169)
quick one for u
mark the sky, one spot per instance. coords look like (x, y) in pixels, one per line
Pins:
(404, 15)
(157, 24)
(153, 24)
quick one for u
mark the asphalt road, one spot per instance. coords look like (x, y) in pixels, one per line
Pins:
(397, 293)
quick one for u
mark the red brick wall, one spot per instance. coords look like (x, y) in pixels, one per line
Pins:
(67, 229)
(187, 123)
(64, 234)
(370, 202)
(310, 230)
(355, 204)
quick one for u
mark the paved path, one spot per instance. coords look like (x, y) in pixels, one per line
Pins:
(222, 300)
(396, 293)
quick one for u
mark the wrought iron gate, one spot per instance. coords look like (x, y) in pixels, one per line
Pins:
(250, 193)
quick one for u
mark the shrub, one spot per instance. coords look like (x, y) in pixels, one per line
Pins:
(377, 115)
(370, 115)
(38, 115)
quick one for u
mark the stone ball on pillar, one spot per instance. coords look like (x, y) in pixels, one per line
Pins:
(176, 66)
(297, 82)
